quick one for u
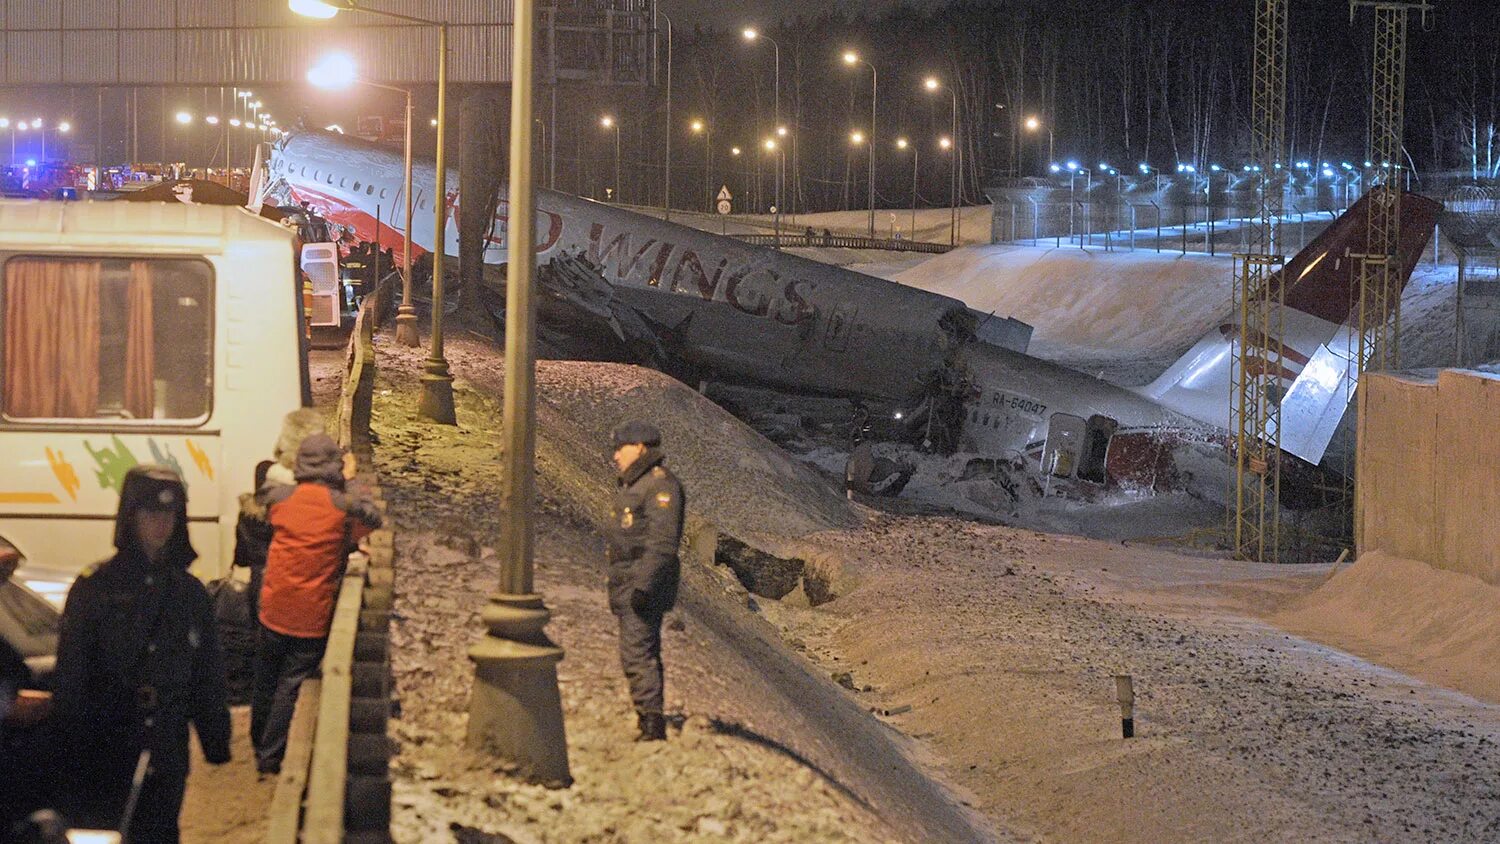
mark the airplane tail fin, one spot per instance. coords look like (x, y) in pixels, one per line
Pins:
(1320, 284)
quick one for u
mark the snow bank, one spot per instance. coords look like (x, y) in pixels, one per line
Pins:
(1438, 625)
(1087, 302)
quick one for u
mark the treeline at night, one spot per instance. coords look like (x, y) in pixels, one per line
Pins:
(1160, 82)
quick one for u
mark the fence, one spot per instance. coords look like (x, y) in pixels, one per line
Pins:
(1154, 226)
(842, 242)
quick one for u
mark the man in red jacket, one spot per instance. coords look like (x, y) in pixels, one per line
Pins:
(315, 525)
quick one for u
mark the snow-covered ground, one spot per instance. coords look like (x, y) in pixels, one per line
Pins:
(988, 651)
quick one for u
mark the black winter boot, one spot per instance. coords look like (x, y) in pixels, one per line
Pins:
(653, 727)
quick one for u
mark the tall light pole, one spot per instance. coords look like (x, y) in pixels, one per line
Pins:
(337, 71)
(858, 139)
(956, 172)
(751, 34)
(437, 381)
(852, 58)
(667, 193)
(1034, 124)
(609, 122)
(515, 710)
(774, 148)
(701, 127)
(916, 154)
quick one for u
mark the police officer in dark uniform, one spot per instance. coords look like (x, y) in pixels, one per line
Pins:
(643, 536)
(137, 661)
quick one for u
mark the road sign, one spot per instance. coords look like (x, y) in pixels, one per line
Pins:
(724, 194)
(724, 206)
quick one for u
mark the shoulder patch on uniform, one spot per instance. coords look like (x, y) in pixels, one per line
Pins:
(664, 499)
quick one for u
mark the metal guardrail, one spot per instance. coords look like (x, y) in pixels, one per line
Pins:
(843, 242)
(335, 784)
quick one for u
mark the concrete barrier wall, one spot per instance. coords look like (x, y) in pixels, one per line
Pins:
(1429, 470)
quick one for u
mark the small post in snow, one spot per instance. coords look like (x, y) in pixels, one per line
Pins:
(1125, 692)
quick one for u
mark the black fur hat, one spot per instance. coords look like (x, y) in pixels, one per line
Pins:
(149, 487)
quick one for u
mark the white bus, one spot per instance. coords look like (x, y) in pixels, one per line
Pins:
(138, 333)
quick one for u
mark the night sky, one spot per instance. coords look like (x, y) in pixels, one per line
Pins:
(726, 13)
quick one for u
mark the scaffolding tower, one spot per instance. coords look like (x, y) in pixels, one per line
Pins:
(1376, 344)
(1258, 358)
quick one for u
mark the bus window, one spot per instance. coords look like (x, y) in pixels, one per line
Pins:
(107, 338)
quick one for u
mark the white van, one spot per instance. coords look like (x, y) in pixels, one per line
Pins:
(138, 333)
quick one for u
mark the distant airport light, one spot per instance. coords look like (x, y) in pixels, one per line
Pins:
(1215, 168)
(1346, 165)
(432, 122)
(1247, 168)
(1072, 166)
(212, 120)
(734, 150)
(931, 83)
(1368, 164)
(901, 143)
(234, 121)
(696, 126)
(1053, 167)
(4, 122)
(334, 71)
(750, 33)
(770, 144)
(1143, 167)
(781, 131)
(945, 142)
(65, 127)
(184, 118)
(607, 122)
(857, 138)
(23, 126)
(851, 57)
(1033, 124)
(36, 123)
(1103, 166)
(313, 8)
(1327, 171)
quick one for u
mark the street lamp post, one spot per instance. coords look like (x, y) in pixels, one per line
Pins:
(1034, 124)
(916, 153)
(852, 58)
(752, 34)
(955, 175)
(337, 71)
(667, 192)
(437, 381)
(515, 710)
(701, 127)
(609, 122)
(775, 148)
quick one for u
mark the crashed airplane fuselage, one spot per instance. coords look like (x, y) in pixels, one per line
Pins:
(721, 309)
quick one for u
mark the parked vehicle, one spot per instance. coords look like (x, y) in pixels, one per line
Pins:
(138, 333)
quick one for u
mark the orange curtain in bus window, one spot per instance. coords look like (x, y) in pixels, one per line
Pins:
(140, 344)
(51, 339)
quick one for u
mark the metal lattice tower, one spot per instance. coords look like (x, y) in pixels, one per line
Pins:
(1258, 358)
(1379, 268)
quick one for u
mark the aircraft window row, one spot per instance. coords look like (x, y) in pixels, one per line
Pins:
(986, 420)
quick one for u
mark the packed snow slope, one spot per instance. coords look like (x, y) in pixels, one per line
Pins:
(1086, 304)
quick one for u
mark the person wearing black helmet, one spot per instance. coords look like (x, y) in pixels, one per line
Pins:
(138, 660)
(643, 536)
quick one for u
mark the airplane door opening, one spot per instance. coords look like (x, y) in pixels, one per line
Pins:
(1065, 435)
(1096, 448)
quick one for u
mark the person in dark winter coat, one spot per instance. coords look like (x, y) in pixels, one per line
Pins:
(316, 523)
(137, 662)
(643, 537)
(252, 537)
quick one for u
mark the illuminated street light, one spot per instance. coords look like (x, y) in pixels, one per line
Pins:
(770, 144)
(235, 122)
(4, 122)
(333, 72)
(313, 8)
(916, 155)
(734, 151)
(945, 142)
(608, 122)
(184, 118)
(436, 401)
(1053, 166)
(852, 58)
(36, 123)
(781, 131)
(857, 138)
(699, 127)
(956, 167)
(696, 127)
(750, 34)
(212, 120)
(1034, 124)
(432, 122)
(65, 127)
